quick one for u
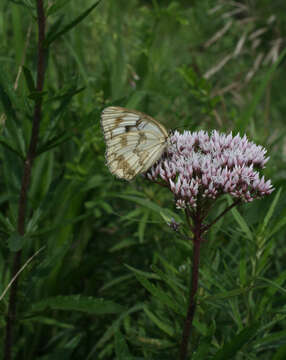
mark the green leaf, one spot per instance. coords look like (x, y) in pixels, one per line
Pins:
(243, 271)
(54, 142)
(68, 95)
(126, 243)
(170, 280)
(274, 284)
(112, 328)
(142, 226)
(29, 79)
(167, 329)
(230, 349)
(121, 348)
(265, 302)
(274, 337)
(270, 211)
(25, 4)
(50, 228)
(56, 6)
(242, 223)
(37, 95)
(5, 143)
(280, 354)
(142, 273)
(151, 206)
(51, 37)
(116, 281)
(7, 104)
(228, 294)
(88, 305)
(279, 225)
(203, 350)
(16, 241)
(48, 321)
(158, 293)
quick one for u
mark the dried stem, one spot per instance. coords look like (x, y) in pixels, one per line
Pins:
(197, 231)
(10, 318)
(19, 272)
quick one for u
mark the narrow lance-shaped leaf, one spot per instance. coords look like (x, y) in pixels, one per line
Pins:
(29, 79)
(7, 104)
(6, 144)
(270, 211)
(57, 5)
(53, 36)
(55, 141)
(78, 303)
(121, 347)
(67, 95)
(231, 348)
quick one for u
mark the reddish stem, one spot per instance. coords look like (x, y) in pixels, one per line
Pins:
(198, 229)
(194, 287)
(10, 318)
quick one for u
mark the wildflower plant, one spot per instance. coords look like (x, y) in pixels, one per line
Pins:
(64, 288)
(198, 169)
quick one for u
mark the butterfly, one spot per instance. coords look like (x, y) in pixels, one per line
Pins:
(134, 141)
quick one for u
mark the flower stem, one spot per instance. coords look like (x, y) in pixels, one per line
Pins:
(193, 291)
(207, 227)
(11, 315)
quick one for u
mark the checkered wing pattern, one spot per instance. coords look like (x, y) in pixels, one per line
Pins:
(134, 141)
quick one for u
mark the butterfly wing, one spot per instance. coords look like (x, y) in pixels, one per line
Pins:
(134, 141)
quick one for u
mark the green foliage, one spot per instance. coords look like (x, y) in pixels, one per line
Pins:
(104, 276)
(77, 303)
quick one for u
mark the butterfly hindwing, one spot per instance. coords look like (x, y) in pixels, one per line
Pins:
(134, 141)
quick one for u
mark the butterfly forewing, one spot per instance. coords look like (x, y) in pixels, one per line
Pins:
(134, 141)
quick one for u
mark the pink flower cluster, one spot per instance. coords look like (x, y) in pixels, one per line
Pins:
(198, 165)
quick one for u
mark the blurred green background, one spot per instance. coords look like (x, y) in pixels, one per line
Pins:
(111, 280)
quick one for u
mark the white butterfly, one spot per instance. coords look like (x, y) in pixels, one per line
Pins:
(134, 141)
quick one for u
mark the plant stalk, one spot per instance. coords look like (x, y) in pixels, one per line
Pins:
(198, 229)
(11, 315)
(194, 287)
